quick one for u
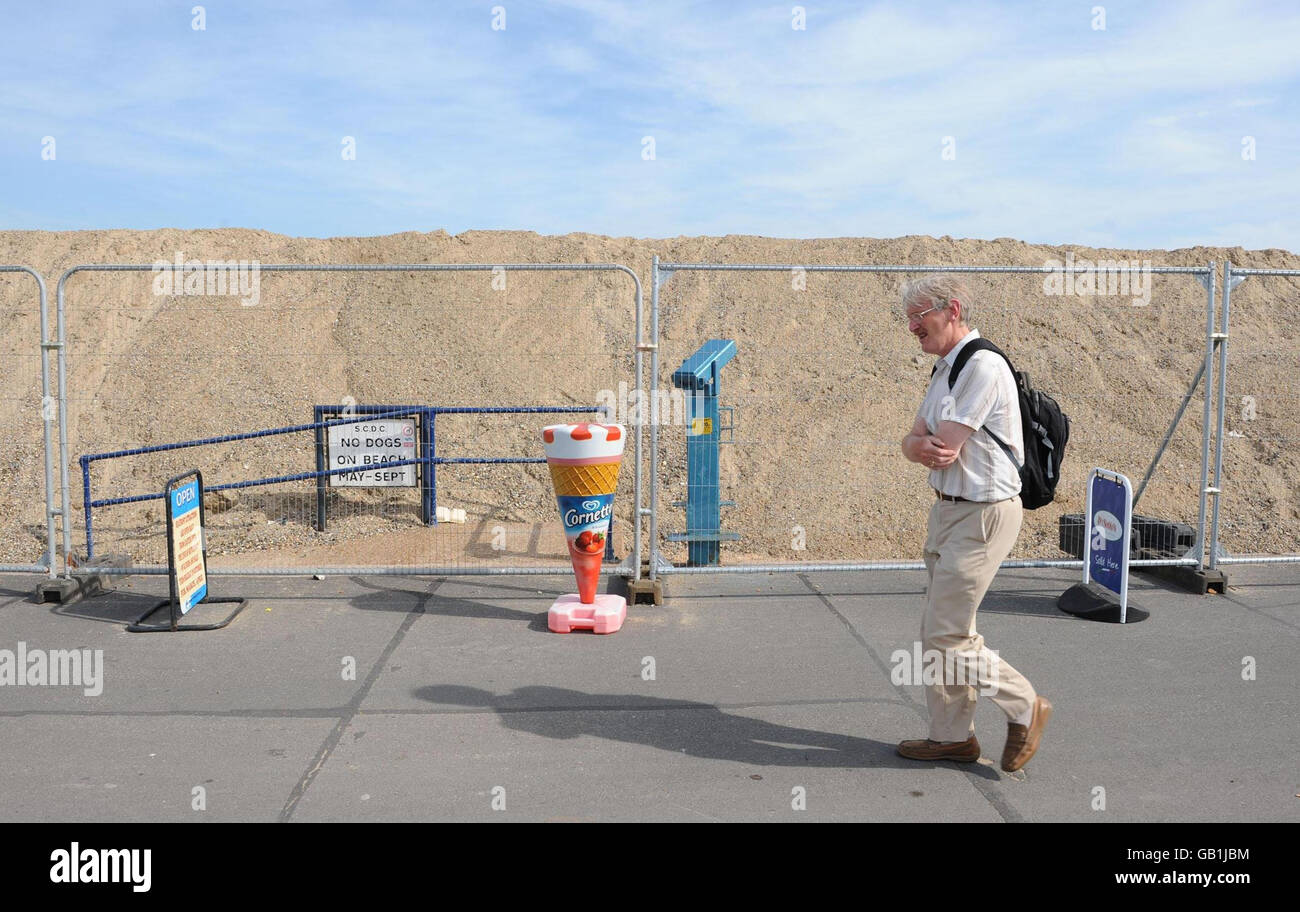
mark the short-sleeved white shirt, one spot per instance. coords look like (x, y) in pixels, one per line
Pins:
(984, 396)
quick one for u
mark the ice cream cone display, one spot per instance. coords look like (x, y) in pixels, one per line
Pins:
(584, 461)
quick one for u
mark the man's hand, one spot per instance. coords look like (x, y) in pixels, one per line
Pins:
(933, 453)
(926, 448)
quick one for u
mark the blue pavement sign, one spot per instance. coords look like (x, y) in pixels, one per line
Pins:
(1108, 532)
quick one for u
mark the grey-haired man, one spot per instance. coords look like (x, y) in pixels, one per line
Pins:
(973, 525)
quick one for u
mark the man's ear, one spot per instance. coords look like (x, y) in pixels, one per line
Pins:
(954, 305)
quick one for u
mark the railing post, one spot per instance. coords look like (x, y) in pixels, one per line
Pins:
(322, 483)
(85, 499)
(429, 477)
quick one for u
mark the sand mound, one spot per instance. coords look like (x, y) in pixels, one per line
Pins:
(825, 384)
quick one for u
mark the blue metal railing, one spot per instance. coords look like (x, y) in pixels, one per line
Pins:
(429, 460)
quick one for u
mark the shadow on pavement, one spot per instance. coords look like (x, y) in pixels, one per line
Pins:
(404, 600)
(679, 726)
(1020, 603)
(112, 607)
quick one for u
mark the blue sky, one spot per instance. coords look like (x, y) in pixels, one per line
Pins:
(1127, 136)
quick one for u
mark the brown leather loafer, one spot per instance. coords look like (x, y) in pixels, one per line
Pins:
(1022, 740)
(967, 751)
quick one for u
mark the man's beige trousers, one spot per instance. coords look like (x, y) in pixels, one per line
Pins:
(965, 545)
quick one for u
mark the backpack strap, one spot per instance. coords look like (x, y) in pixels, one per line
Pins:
(1006, 449)
(969, 349)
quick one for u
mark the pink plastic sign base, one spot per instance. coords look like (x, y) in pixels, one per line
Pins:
(606, 615)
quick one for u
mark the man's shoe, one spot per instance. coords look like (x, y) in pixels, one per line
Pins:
(967, 751)
(1022, 740)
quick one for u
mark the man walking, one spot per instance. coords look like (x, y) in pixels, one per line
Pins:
(973, 525)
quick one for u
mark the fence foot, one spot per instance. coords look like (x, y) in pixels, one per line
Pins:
(60, 591)
(85, 584)
(644, 591)
(1193, 579)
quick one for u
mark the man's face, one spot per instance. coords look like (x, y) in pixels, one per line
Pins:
(931, 326)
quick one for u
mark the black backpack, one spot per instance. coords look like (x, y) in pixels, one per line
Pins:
(1046, 430)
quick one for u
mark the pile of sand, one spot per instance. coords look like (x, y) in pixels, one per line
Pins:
(825, 383)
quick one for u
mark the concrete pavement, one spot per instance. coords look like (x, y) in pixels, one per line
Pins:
(742, 698)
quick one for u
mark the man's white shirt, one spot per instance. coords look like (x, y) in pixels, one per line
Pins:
(984, 396)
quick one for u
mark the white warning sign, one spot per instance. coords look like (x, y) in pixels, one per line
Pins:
(366, 447)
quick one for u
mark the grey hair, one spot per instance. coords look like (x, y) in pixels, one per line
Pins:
(937, 289)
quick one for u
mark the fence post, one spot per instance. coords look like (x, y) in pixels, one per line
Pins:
(1228, 283)
(62, 347)
(654, 423)
(47, 419)
(1205, 419)
(48, 404)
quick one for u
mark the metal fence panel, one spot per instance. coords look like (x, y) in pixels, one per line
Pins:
(27, 416)
(154, 362)
(827, 381)
(1256, 515)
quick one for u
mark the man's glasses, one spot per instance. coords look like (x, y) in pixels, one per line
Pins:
(916, 317)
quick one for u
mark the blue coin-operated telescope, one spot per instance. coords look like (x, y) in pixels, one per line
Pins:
(698, 378)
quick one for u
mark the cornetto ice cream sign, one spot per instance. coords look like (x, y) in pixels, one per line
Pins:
(588, 512)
